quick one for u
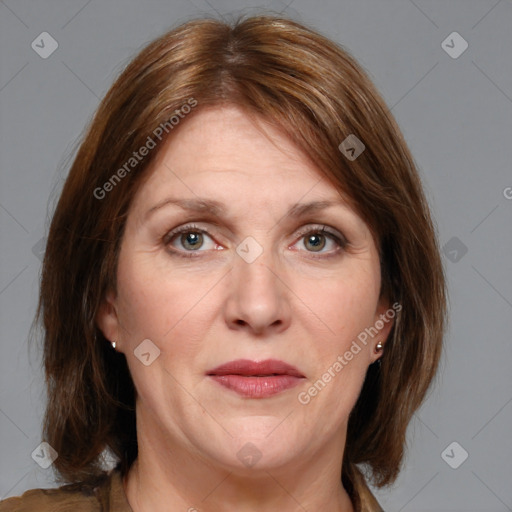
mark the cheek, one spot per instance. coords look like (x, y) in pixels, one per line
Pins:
(340, 360)
(342, 306)
(163, 305)
(147, 294)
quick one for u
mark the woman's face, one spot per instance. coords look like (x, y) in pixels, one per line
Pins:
(255, 280)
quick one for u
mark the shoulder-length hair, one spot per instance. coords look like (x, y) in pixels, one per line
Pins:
(317, 94)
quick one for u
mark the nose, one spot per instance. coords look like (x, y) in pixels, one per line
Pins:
(259, 300)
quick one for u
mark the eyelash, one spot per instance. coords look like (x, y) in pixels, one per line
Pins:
(341, 242)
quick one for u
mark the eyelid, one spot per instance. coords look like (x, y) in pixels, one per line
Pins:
(322, 228)
(185, 228)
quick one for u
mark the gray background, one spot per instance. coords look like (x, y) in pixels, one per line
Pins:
(456, 114)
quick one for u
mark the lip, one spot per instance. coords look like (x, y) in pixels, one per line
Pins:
(252, 379)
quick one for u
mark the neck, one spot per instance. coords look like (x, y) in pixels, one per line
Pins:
(166, 476)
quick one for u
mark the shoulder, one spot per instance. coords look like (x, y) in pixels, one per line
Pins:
(71, 497)
(50, 500)
(366, 501)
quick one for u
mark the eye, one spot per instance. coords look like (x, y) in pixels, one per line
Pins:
(191, 238)
(316, 238)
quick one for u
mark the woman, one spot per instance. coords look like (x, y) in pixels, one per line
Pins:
(242, 293)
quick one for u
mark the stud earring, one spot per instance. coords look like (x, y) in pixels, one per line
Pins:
(379, 346)
(113, 343)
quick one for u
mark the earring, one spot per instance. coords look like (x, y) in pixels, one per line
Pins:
(113, 343)
(379, 346)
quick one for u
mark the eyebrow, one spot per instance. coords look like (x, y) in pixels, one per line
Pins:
(218, 209)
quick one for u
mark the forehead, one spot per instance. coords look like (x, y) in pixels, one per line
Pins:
(223, 151)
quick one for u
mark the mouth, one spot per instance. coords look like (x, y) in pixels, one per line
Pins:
(252, 379)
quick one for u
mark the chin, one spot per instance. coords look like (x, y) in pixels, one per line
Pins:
(254, 456)
(254, 450)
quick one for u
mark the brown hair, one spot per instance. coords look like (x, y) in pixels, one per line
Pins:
(317, 94)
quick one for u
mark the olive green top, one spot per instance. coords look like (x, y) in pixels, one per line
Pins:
(109, 496)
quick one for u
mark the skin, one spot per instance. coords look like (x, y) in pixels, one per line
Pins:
(299, 302)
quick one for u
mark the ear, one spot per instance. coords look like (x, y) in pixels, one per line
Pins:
(107, 319)
(383, 323)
